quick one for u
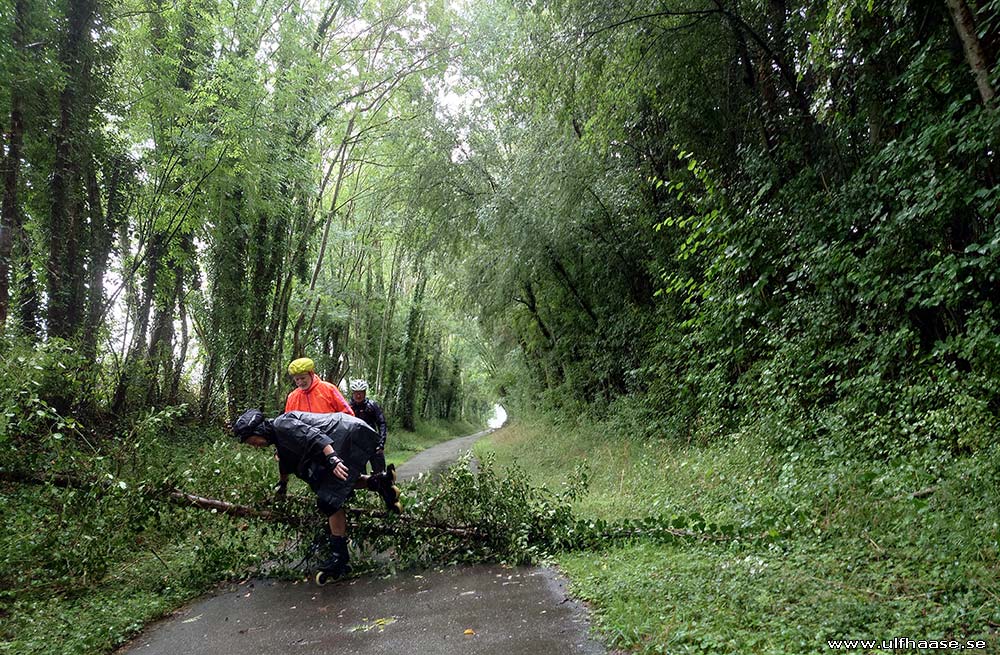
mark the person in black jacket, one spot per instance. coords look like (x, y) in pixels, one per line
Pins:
(369, 411)
(329, 452)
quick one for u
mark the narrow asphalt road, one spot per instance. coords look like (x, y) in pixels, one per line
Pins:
(438, 458)
(468, 609)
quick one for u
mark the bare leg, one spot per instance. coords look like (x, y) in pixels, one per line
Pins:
(338, 523)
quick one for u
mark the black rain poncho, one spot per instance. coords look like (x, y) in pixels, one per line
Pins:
(300, 438)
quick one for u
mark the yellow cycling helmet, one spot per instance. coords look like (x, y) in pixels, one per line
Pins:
(301, 365)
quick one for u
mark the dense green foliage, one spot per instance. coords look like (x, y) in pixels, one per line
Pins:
(742, 214)
(754, 244)
(86, 567)
(772, 216)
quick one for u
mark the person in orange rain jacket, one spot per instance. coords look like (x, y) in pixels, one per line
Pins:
(311, 393)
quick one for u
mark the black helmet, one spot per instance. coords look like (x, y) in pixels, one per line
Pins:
(248, 424)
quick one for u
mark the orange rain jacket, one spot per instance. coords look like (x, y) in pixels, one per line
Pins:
(321, 397)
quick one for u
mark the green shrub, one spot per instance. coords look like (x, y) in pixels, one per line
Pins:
(41, 386)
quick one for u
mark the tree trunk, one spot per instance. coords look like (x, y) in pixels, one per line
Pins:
(182, 355)
(260, 342)
(274, 365)
(532, 304)
(104, 224)
(207, 384)
(430, 381)
(159, 357)
(340, 362)
(776, 59)
(567, 281)
(29, 298)
(279, 360)
(10, 215)
(230, 301)
(750, 79)
(387, 316)
(975, 55)
(411, 359)
(66, 222)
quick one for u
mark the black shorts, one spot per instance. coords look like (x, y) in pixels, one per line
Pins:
(332, 492)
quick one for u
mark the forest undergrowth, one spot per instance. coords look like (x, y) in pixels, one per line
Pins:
(91, 549)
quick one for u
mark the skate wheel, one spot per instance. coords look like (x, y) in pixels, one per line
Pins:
(326, 577)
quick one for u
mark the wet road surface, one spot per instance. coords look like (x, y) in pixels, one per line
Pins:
(467, 609)
(477, 609)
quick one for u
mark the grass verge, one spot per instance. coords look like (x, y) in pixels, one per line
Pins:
(829, 548)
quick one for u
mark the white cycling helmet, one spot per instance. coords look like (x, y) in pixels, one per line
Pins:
(359, 385)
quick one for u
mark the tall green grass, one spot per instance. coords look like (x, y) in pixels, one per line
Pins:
(846, 548)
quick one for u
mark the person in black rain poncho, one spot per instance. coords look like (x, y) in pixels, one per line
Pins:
(329, 452)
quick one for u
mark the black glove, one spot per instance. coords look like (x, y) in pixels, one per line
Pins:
(334, 461)
(281, 491)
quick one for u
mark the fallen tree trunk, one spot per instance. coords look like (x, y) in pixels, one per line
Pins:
(223, 507)
(403, 522)
(64, 481)
(179, 497)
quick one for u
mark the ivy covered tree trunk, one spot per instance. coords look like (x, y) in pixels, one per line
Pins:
(412, 356)
(10, 212)
(72, 148)
(453, 391)
(388, 313)
(230, 303)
